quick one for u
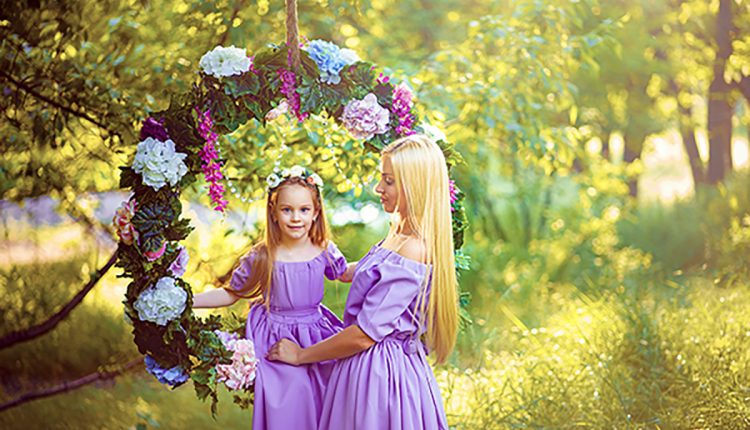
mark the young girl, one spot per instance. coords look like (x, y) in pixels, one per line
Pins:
(284, 273)
(405, 287)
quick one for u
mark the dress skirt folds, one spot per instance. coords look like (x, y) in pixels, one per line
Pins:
(389, 386)
(290, 397)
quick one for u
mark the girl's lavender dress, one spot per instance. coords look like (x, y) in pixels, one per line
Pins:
(290, 397)
(388, 386)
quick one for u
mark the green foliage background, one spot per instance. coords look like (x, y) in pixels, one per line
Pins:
(591, 308)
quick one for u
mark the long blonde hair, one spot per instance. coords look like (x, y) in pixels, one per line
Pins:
(258, 284)
(419, 170)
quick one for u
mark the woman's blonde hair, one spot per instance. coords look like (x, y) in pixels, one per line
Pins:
(420, 171)
(258, 284)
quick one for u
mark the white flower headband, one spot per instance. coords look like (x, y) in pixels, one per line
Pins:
(279, 175)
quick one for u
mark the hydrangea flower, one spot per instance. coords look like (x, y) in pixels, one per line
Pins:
(221, 61)
(153, 128)
(173, 376)
(125, 230)
(279, 175)
(330, 59)
(297, 171)
(279, 110)
(240, 374)
(273, 180)
(158, 163)
(179, 265)
(227, 339)
(365, 118)
(162, 302)
(434, 133)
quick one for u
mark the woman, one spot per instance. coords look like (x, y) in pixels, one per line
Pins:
(404, 288)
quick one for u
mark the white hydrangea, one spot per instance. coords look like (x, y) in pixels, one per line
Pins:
(222, 61)
(349, 56)
(317, 179)
(158, 163)
(162, 302)
(434, 133)
(273, 180)
(297, 171)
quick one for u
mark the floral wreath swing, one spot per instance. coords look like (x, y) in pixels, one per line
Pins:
(180, 142)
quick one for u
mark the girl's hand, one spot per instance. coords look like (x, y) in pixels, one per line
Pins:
(349, 273)
(285, 351)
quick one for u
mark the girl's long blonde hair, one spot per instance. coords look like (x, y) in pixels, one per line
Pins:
(258, 284)
(420, 171)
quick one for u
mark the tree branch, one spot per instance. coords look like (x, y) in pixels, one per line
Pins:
(237, 6)
(99, 375)
(28, 89)
(46, 326)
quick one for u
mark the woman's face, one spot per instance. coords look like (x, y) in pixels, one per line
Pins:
(388, 190)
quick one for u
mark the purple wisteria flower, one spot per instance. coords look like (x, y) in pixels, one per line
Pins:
(365, 118)
(210, 160)
(402, 104)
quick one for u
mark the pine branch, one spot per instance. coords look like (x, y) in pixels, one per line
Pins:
(46, 326)
(100, 375)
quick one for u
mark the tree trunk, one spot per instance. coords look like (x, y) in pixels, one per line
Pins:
(691, 147)
(628, 157)
(605, 145)
(719, 108)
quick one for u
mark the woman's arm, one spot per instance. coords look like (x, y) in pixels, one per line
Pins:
(216, 298)
(348, 342)
(349, 273)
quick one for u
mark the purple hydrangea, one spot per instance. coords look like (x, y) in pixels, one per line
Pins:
(365, 118)
(172, 377)
(155, 129)
(179, 265)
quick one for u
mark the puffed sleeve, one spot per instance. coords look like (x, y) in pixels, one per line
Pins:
(335, 262)
(397, 287)
(242, 272)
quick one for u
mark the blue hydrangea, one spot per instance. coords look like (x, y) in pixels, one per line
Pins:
(173, 377)
(330, 59)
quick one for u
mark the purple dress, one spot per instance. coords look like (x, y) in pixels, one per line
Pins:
(389, 386)
(290, 397)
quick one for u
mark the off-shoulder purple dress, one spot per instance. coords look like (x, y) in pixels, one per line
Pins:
(389, 386)
(290, 397)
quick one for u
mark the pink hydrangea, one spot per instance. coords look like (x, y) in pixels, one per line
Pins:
(240, 374)
(365, 118)
(125, 229)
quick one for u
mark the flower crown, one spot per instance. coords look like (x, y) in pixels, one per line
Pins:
(280, 175)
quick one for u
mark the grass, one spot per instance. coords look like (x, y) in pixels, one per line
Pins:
(648, 352)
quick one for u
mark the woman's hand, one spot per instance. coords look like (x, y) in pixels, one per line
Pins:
(285, 351)
(349, 273)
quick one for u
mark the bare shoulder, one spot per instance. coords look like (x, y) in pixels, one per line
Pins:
(414, 248)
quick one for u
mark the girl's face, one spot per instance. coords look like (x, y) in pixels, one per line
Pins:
(294, 212)
(387, 189)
